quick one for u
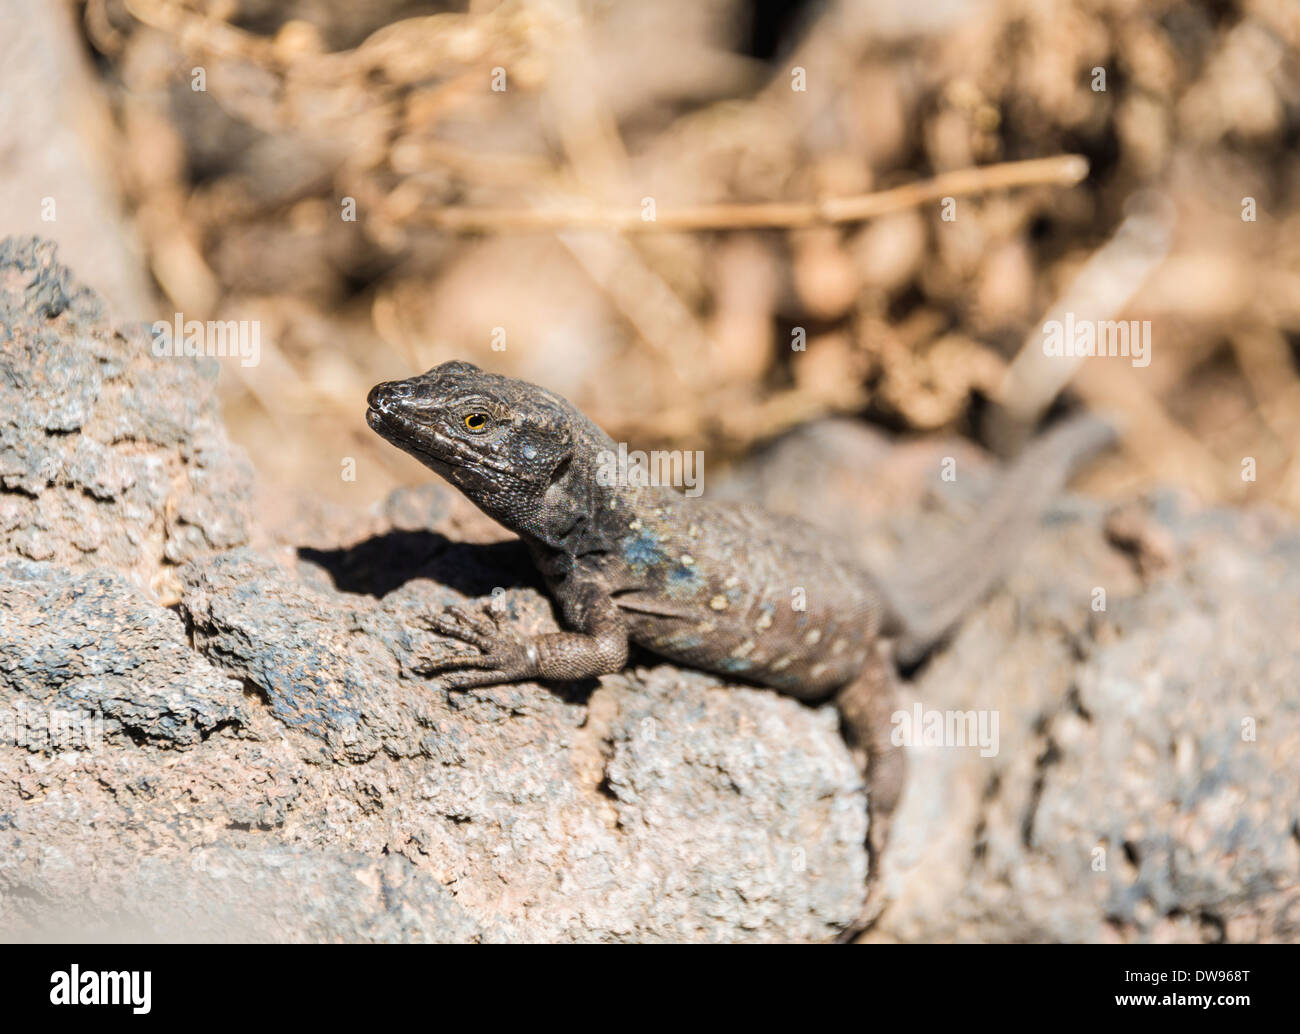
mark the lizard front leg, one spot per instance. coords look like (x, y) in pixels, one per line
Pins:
(597, 646)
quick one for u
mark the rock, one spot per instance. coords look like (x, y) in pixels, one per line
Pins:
(263, 761)
(109, 457)
(1146, 785)
(91, 643)
(253, 754)
(229, 894)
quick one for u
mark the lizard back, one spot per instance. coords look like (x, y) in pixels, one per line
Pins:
(741, 591)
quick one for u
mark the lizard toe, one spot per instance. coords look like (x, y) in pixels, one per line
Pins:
(468, 679)
(483, 629)
(450, 660)
(450, 623)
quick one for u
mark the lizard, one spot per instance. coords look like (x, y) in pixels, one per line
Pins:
(725, 587)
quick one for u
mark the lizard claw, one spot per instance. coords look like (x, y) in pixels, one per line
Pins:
(482, 627)
(457, 623)
(450, 661)
(500, 658)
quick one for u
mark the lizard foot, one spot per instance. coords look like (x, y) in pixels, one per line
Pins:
(501, 656)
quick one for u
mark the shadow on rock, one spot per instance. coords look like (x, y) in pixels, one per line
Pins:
(384, 563)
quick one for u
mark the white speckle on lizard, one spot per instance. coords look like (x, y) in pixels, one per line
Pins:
(744, 649)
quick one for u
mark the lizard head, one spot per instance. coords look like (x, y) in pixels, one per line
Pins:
(501, 441)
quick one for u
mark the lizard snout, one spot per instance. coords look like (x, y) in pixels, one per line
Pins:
(383, 396)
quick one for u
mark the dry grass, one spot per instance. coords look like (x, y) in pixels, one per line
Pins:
(517, 214)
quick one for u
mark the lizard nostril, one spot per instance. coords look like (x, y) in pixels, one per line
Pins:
(381, 395)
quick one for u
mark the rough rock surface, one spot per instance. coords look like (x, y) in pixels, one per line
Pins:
(1147, 781)
(108, 457)
(1158, 739)
(252, 755)
(259, 761)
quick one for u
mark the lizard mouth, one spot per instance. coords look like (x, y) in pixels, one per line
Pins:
(406, 435)
(426, 443)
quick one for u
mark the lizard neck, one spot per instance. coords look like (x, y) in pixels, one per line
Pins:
(588, 505)
(570, 514)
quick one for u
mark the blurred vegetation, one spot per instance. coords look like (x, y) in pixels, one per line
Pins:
(236, 192)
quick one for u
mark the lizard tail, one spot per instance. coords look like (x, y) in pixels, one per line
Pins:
(925, 604)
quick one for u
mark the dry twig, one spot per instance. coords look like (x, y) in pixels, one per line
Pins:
(1063, 170)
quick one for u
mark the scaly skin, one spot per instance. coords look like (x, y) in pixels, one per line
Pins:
(723, 587)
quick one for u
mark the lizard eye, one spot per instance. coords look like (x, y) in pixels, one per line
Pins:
(476, 422)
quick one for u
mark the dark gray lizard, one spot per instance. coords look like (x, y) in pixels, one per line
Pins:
(721, 586)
